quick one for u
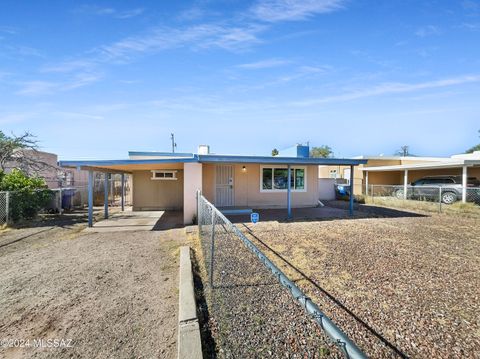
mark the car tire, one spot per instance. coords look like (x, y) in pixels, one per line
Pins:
(449, 197)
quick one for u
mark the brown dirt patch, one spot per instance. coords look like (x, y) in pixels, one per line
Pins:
(113, 294)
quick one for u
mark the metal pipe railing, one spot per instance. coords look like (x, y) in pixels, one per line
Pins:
(335, 333)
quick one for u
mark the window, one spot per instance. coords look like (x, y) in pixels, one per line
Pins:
(333, 174)
(164, 175)
(276, 179)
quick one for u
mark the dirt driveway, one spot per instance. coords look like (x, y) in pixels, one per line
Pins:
(111, 294)
(398, 286)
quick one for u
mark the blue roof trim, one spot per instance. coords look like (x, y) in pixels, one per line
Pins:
(99, 163)
(171, 154)
(219, 159)
(279, 160)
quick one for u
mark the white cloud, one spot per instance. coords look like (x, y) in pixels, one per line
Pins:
(289, 10)
(109, 11)
(263, 64)
(428, 30)
(198, 36)
(470, 26)
(40, 87)
(390, 88)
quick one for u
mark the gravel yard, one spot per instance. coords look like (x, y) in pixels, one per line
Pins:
(414, 281)
(250, 314)
(113, 294)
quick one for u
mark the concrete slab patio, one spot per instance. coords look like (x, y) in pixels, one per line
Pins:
(138, 221)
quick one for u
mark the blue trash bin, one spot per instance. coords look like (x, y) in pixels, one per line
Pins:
(67, 195)
(342, 191)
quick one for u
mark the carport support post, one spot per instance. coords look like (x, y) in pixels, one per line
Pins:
(464, 184)
(90, 198)
(289, 192)
(351, 189)
(105, 198)
(405, 184)
(123, 192)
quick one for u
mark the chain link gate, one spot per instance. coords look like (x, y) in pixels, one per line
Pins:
(251, 313)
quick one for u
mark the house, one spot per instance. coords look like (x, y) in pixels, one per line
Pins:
(44, 164)
(397, 170)
(169, 181)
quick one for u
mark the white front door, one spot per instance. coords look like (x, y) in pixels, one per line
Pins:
(224, 186)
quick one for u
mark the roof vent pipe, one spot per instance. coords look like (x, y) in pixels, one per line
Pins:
(203, 149)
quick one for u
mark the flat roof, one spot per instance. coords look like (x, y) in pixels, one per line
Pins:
(132, 164)
(454, 163)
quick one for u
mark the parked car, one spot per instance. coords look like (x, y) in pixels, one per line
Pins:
(428, 188)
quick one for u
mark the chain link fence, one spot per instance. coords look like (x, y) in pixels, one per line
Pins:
(254, 309)
(433, 198)
(62, 199)
(4, 210)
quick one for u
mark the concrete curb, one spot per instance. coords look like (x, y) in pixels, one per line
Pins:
(189, 342)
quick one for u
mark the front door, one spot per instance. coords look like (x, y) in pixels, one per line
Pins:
(224, 186)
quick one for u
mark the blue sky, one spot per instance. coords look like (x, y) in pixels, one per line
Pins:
(96, 79)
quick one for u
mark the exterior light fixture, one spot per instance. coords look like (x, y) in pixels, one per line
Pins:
(244, 169)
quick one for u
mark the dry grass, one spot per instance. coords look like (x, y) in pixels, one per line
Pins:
(458, 208)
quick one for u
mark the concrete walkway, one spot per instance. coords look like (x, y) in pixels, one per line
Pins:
(135, 221)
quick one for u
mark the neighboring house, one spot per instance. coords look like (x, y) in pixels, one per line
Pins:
(396, 170)
(163, 181)
(46, 167)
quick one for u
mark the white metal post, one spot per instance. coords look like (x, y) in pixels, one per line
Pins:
(464, 184)
(440, 199)
(405, 184)
(366, 183)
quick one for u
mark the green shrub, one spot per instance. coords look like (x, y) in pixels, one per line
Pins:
(28, 195)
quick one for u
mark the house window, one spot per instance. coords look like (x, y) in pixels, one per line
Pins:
(276, 179)
(164, 175)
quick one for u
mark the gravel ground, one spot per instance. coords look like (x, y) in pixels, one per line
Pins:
(114, 294)
(413, 280)
(250, 313)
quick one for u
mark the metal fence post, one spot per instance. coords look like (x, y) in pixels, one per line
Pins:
(199, 213)
(212, 248)
(7, 217)
(60, 201)
(440, 199)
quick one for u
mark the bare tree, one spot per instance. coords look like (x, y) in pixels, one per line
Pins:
(403, 151)
(21, 152)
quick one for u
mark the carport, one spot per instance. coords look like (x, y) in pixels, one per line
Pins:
(121, 167)
(454, 167)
